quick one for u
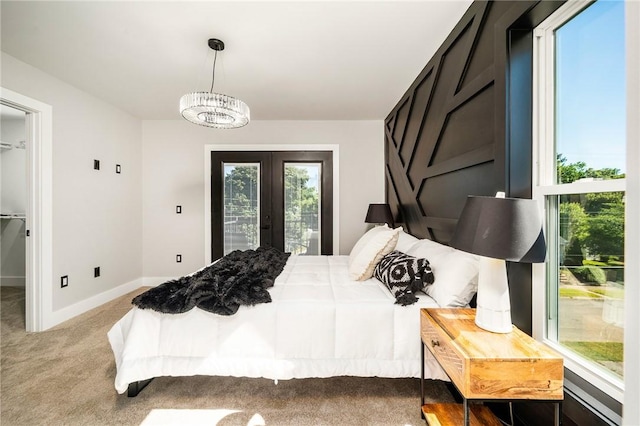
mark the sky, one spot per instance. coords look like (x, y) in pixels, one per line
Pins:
(591, 84)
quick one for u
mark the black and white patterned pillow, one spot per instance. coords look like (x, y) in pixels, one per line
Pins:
(404, 275)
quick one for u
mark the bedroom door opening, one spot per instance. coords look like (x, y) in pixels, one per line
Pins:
(281, 199)
(37, 214)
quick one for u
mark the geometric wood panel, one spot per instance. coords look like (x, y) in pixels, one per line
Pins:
(441, 137)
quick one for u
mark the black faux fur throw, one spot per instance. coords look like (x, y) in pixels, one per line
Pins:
(239, 278)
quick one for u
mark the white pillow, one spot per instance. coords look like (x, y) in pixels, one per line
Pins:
(405, 241)
(455, 273)
(364, 240)
(428, 249)
(369, 249)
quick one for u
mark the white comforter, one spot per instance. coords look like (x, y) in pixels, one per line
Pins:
(319, 324)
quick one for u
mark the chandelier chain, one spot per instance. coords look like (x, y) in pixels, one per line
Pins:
(213, 74)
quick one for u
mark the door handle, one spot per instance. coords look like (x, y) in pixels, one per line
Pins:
(266, 223)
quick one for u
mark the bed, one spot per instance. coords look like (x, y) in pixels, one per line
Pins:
(321, 322)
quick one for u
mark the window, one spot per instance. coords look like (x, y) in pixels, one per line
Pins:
(580, 145)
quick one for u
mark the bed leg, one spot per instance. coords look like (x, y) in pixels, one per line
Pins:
(136, 387)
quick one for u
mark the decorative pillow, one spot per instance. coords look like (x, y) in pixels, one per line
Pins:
(405, 241)
(369, 249)
(404, 275)
(456, 273)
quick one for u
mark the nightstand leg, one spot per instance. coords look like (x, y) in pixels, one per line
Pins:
(421, 378)
(557, 421)
(465, 407)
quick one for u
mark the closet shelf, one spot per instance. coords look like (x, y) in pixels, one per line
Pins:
(10, 216)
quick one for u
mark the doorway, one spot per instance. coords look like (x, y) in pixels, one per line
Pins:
(13, 201)
(282, 199)
(38, 223)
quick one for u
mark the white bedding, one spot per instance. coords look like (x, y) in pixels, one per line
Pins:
(319, 324)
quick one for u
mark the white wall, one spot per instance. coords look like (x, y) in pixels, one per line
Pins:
(96, 214)
(173, 174)
(13, 200)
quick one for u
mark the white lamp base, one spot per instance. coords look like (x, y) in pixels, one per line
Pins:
(493, 312)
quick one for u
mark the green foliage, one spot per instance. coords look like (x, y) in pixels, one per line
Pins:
(574, 229)
(590, 274)
(593, 263)
(568, 173)
(301, 207)
(596, 202)
(606, 225)
(241, 201)
(591, 225)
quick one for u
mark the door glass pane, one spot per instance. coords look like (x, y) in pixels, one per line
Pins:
(590, 94)
(590, 259)
(302, 207)
(241, 206)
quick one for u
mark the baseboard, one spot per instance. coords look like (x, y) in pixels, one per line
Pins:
(12, 281)
(83, 306)
(155, 281)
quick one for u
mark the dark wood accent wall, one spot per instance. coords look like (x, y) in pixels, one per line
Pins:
(444, 139)
(464, 128)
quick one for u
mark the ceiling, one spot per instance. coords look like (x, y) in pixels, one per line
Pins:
(291, 60)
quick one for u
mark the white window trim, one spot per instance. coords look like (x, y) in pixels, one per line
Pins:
(544, 184)
(632, 240)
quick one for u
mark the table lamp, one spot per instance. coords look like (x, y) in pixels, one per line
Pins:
(498, 229)
(379, 213)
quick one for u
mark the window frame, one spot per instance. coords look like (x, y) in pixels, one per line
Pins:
(544, 185)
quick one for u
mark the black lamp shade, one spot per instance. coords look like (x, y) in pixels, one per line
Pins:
(379, 213)
(501, 228)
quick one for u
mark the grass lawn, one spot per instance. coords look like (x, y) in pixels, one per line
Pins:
(577, 292)
(592, 292)
(598, 351)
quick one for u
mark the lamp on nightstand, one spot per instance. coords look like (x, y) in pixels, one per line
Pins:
(498, 229)
(379, 213)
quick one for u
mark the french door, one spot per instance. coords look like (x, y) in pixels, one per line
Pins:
(281, 199)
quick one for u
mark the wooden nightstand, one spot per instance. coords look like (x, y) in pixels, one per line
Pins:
(486, 366)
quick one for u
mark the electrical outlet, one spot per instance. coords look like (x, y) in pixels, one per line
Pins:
(96, 164)
(96, 272)
(64, 281)
(178, 258)
(179, 209)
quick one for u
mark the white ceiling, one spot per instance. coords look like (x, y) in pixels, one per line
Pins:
(292, 60)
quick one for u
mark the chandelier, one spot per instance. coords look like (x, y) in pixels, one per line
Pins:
(214, 109)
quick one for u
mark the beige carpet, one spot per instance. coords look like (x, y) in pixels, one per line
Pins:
(64, 376)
